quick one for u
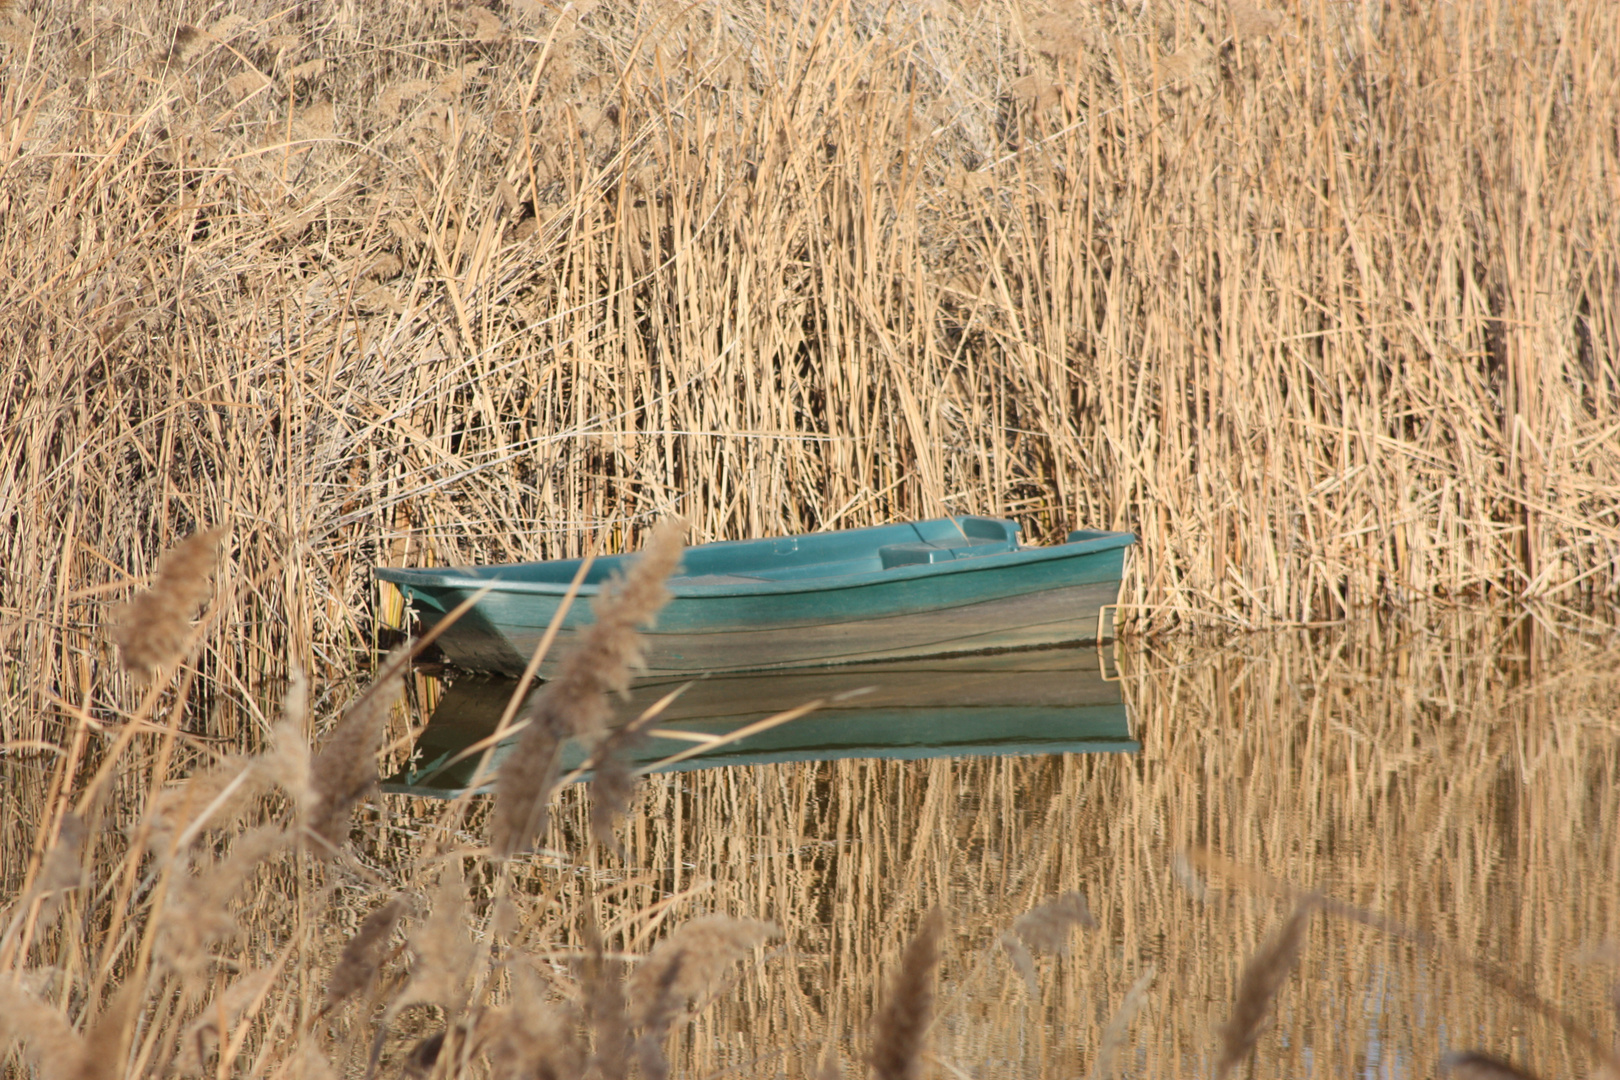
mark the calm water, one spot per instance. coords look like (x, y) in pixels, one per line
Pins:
(1458, 783)
(1453, 789)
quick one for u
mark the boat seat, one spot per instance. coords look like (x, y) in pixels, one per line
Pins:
(922, 554)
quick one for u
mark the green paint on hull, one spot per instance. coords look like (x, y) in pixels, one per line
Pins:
(946, 585)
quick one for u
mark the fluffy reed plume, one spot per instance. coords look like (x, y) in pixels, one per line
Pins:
(1472, 1065)
(1189, 878)
(441, 967)
(575, 703)
(443, 952)
(48, 1040)
(523, 785)
(1022, 961)
(1048, 925)
(214, 797)
(64, 863)
(286, 763)
(1262, 978)
(362, 955)
(1250, 21)
(531, 1039)
(902, 1021)
(1119, 1027)
(1047, 928)
(184, 43)
(702, 949)
(345, 769)
(613, 782)
(607, 1015)
(683, 967)
(56, 1050)
(107, 1041)
(152, 629)
(659, 1013)
(197, 913)
(312, 1062)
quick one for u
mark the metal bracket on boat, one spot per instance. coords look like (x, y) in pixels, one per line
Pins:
(1102, 615)
(1102, 657)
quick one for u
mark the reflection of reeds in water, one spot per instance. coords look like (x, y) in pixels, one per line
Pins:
(1436, 778)
(1379, 766)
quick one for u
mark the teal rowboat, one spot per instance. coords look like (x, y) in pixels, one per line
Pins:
(930, 588)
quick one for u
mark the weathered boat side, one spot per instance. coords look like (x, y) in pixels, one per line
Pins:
(896, 591)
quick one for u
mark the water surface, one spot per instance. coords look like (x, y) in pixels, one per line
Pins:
(1448, 790)
(1457, 782)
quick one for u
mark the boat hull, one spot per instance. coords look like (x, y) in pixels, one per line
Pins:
(1013, 599)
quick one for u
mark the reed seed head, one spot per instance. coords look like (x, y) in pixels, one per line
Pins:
(444, 953)
(152, 629)
(1119, 1027)
(185, 42)
(1262, 978)
(575, 702)
(1473, 1065)
(345, 768)
(687, 963)
(197, 914)
(902, 1021)
(606, 1012)
(1047, 926)
(287, 761)
(362, 954)
(523, 784)
(64, 863)
(533, 1039)
(1251, 21)
(48, 1040)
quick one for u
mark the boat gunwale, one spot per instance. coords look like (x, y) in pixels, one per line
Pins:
(448, 578)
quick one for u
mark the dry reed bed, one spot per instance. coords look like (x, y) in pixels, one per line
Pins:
(1323, 302)
(1458, 780)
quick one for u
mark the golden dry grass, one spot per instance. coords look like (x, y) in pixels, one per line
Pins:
(1319, 298)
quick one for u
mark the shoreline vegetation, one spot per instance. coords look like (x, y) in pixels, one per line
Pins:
(1319, 298)
(1322, 300)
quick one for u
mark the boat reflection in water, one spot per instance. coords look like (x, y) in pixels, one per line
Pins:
(1048, 701)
